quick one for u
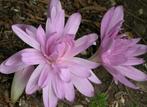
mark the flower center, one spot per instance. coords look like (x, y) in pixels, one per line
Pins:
(58, 47)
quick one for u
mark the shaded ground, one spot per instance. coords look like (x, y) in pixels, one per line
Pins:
(34, 12)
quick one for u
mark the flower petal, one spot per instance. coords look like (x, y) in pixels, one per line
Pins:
(84, 86)
(118, 76)
(58, 87)
(18, 29)
(133, 61)
(72, 24)
(19, 82)
(79, 71)
(32, 84)
(141, 49)
(13, 63)
(56, 22)
(49, 97)
(93, 78)
(32, 57)
(43, 78)
(69, 91)
(41, 36)
(65, 74)
(126, 82)
(54, 4)
(132, 73)
(83, 43)
(84, 62)
(117, 59)
(112, 22)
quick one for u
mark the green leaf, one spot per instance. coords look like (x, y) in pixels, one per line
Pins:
(100, 100)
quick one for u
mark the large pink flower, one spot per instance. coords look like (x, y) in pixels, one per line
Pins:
(117, 54)
(58, 71)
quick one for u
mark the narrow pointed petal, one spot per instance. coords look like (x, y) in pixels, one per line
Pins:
(133, 61)
(69, 91)
(132, 73)
(19, 82)
(58, 87)
(84, 62)
(32, 57)
(43, 78)
(141, 49)
(93, 78)
(79, 71)
(13, 63)
(83, 43)
(72, 24)
(41, 36)
(112, 21)
(32, 84)
(84, 86)
(25, 37)
(118, 76)
(30, 30)
(56, 22)
(126, 82)
(54, 4)
(117, 59)
(65, 74)
(49, 97)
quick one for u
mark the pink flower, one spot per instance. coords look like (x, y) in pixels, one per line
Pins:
(117, 54)
(58, 71)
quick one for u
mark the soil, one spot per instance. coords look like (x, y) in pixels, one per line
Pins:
(34, 12)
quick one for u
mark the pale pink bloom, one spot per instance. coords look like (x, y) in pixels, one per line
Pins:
(58, 71)
(118, 54)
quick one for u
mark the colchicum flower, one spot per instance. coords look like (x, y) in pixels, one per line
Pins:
(117, 54)
(58, 71)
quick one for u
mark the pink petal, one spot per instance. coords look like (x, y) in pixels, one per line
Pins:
(112, 21)
(32, 57)
(133, 61)
(43, 78)
(132, 73)
(41, 36)
(83, 43)
(93, 78)
(25, 37)
(79, 71)
(141, 49)
(58, 87)
(84, 62)
(56, 22)
(72, 24)
(69, 91)
(49, 97)
(84, 86)
(54, 4)
(117, 76)
(32, 85)
(65, 74)
(117, 59)
(19, 82)
(13, 63)
(107, 45)
(126, 82)
(30, 30)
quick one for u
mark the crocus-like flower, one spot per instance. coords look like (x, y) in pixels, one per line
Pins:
(58, 71)
(117, 54)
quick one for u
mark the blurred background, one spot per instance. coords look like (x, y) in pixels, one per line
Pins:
(34, 12)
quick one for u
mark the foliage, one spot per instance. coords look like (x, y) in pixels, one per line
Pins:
(100, 100)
